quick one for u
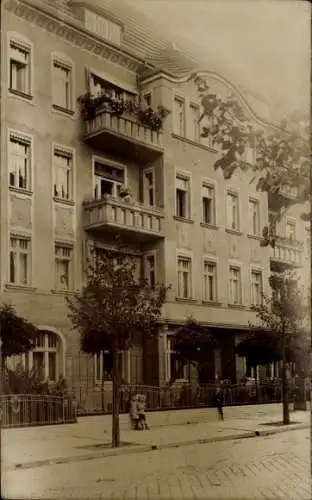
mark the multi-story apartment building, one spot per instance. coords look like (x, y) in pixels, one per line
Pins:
(61, 175)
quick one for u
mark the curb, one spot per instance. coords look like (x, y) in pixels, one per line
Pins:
(146, 448)
(294, 427)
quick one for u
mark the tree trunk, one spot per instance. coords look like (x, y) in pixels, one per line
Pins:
(116, 400)
(102, 393)
(285, 393)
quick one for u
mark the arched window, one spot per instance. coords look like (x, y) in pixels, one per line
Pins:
(46, 359)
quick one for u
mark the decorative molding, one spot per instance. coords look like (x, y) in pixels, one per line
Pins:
(64, 221)
(183, 236)
(20, 212)
(202, 74)
(73, 34)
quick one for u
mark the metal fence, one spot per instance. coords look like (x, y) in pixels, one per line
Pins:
(19, 410)
(181, 397)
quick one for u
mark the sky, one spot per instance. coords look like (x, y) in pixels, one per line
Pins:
(262, 44)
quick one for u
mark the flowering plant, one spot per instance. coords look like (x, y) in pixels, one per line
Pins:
(124, 192)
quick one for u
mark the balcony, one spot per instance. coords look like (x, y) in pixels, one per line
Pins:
(134, 221)
(121, 128)
(287, 253)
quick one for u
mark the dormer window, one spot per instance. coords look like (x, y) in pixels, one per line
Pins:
(103, 27)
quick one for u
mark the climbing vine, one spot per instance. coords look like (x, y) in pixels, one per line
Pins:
(282, 163)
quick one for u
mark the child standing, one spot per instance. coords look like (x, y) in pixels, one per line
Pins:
(141, 411)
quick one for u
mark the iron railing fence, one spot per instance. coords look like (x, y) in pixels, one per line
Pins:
(180, 397)
(21, 410)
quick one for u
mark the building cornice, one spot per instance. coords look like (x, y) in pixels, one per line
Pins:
(201, 73)
(72, 31)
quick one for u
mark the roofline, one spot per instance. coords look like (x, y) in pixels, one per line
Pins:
(191, 75)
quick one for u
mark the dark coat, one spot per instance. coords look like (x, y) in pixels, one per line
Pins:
(218, 399)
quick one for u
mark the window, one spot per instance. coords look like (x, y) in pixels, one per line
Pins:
(174, 368)
(232, 211)
(62, 85)
(210, 281)
(46, 358)
(254, 217)
(100, 86)
(149, 187)
(182, 197)
(19, 68)
(63, 255)
(103, 366)
(107, 180)
(256, 288)
(150, 271)
(103, 27)
(179, 117)
(63, 174)
(208, 203)
(194, 112)
(147, 99)
(184, 278)
(19, 261)
(235, 285)
(291, 230)
(19, 162)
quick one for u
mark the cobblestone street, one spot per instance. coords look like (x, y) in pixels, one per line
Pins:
(267, 467)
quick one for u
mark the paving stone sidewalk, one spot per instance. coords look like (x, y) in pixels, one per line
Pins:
(90, 437)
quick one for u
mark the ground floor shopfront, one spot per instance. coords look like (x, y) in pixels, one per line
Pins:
(152, 362)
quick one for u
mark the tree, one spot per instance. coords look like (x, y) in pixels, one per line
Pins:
(17, 334)
(281, 330)
(192, 343)
(112, 311)
(282, 153)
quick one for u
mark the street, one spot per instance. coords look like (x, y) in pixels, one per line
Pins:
(265, 467)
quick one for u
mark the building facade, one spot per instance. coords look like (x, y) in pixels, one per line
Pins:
(62, 181)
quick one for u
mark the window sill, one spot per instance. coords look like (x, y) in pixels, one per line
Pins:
(66, 111)
(64, 202)
(18, 288)
(234, 231)
(27, 192)
(194, 143)
(211, 303)
(209, 226)
(62, 292)
(22, 95)
(254, 236)
(236, 306)
(180, 299)
(183, 219)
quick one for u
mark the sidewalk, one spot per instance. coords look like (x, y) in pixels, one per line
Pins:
(91, 436)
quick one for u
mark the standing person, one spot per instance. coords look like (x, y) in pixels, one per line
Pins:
(141, 411)
(133, 412)
(219, 402)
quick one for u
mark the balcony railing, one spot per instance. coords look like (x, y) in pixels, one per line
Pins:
(288, 251)
(130, 218)
(122, 126)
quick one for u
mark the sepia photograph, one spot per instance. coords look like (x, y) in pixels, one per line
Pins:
(155, 250)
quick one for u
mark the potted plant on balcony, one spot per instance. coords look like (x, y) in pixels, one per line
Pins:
(117, 107)
(88, 105)
(125, 194)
